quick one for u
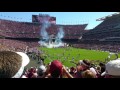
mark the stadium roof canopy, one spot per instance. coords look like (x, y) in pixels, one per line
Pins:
(106, 17)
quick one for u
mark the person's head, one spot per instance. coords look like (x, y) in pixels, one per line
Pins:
(102, 69)
(56, 69)
(101, 64)
(41, 70)
(88, 74)
(85, 64)
(98, 68)
(12, 64)
(79, 68)
(112, 69)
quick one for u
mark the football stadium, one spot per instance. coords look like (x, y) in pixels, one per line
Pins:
(44, 49)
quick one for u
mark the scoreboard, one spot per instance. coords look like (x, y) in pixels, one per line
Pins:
(41, 18)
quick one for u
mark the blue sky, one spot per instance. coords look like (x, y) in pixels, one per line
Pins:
(62, 17)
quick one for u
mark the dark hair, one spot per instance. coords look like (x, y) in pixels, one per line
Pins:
(40, 72)
(101, 64)
(55, 74)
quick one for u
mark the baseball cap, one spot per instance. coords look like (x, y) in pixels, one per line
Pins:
(56, 65)
(112, 68)
(25, 61)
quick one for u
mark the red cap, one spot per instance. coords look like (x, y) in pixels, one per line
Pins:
(56, 65)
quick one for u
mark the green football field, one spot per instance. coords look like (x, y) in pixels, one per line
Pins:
(66, 55)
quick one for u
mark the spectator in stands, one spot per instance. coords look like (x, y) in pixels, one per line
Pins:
(79, 69)
(12, 64)
(102, 65)
(85, 64)
(72, 71)
(112, 69)
(98, 68)
(82, 66)
(88, 74)
(41, 71)
(56, 69)
(32, 73)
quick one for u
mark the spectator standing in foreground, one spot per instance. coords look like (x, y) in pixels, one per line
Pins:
(55, 70)
(112, 69)
(41, 71)
(12, 64)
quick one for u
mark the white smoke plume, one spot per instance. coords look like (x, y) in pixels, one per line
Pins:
(45, 24)
(46, 39)
(60, 35)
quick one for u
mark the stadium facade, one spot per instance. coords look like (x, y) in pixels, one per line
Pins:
(28, 33)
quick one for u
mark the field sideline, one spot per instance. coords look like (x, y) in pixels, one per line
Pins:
(66, 55)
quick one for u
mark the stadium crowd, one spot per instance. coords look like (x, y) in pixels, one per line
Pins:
(110, 27)
(16, 45)
(32, 30)
(101, 47)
